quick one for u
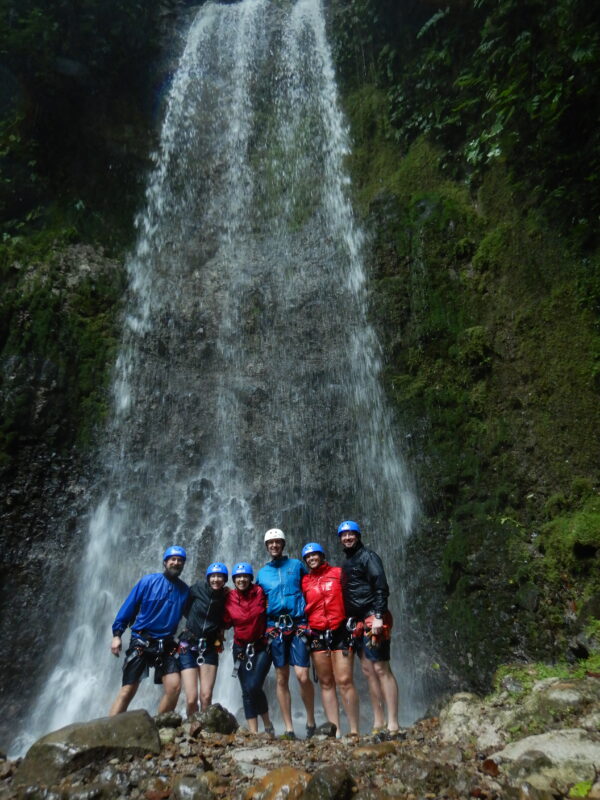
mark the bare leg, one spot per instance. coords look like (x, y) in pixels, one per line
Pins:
(125, 696)
(324, 669)
(389, 688)
(284, 697)
(172, 686)
(208, 676)
(375, 692)
(266, 720)
(342, 669)
(253, 724)
(307, 693)
(189, 678)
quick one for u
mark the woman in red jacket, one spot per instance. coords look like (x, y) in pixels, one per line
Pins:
(245, 611)
(332, 658)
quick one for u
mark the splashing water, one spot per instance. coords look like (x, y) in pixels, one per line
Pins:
(246, 390)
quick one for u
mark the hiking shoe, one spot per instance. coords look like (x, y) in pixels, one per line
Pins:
(310, 731)
(289, 735)
(270, 731)
(396, 736)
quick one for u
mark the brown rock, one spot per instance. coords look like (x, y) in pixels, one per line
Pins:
(330, 783)
(284, 783)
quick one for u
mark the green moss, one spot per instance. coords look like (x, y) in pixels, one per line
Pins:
(581, 789)
(569, 544)
(59, 335)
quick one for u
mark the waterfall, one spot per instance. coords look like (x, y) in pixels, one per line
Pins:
(246, 391)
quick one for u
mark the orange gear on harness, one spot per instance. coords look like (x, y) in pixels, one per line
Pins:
(383, 635)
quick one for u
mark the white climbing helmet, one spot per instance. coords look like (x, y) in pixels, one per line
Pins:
(274, 533)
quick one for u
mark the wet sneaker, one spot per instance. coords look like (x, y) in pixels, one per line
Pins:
(396, 736)
(270, 731)
(310, 731)
(289, 735)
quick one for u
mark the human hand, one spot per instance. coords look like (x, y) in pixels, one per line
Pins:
(115, 646)
(376, 626)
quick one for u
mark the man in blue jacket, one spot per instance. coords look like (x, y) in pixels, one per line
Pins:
(286, 628)
(153, 609)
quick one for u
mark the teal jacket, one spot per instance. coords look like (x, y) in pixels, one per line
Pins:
(281, 581)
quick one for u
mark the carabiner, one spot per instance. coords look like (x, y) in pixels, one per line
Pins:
(201, 648)
(249, 656)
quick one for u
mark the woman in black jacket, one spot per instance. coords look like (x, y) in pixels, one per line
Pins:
(202, 640)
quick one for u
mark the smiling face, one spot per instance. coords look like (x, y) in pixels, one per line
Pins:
(275, 547)
(349, 539)
(242, 582)
(314, 560)
(174, 566)
(216, 581)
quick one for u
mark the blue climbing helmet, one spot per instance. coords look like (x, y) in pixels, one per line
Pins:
(349, 525)
(242, 568)
(217, 568)
(312, 547)
(175, 550)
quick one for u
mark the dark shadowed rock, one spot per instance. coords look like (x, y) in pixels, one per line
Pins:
(216, 719)
(169, 719)
(330, 783)
(59, 753)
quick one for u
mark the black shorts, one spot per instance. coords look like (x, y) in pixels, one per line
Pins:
(138, 663)
(188, 659)
(330, 640)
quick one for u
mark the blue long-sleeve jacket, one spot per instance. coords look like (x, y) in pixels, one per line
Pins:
(154, 606)
(281, 581)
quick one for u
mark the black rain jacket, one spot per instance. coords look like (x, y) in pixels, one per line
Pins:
(364, 583)
(204, 612)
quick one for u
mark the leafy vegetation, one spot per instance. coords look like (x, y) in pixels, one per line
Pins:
(75, 85)
(484, 288)
(490, 81)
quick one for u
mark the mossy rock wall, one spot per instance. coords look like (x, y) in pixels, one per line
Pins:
(491, 340)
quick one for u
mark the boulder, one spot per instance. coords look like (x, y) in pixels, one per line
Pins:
(216, 719)
(553, 760)
(66, 750)
(330, 783)
(283, 783)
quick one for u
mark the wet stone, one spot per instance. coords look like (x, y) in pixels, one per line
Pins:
(330, 783)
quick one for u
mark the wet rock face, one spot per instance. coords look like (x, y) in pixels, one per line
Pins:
(45, 484)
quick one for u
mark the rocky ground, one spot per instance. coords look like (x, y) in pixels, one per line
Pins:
(538, 743)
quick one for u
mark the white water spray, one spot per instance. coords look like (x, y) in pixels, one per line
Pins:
(246, 391)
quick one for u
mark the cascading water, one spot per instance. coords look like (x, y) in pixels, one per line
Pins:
(246, 391)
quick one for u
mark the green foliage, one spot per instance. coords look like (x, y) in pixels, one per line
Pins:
(58, 337)
(69, 74)
(511, 82)
(581, 789)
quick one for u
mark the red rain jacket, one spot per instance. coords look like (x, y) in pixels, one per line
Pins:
(322, 589)
(247, 614)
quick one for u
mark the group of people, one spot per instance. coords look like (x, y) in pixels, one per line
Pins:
(297, 611)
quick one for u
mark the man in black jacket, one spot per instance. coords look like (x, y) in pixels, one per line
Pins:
(365, 597)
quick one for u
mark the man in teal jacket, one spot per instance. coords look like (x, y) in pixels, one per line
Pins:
(286, 628)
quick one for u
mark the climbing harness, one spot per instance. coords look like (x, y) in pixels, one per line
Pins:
(156, 648)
